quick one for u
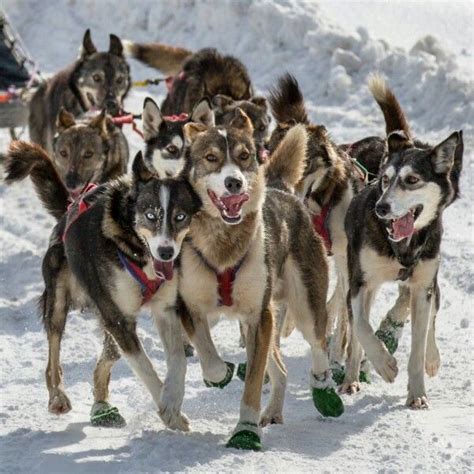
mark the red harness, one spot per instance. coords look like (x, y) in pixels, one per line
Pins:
(182, 117)
(321, 226)
(170, 80)
(127, 119)
(148, 287)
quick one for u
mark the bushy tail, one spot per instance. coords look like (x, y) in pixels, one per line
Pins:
(286, 101)
(28, 159)
(167, 59)
(287, 163)
(394, 117)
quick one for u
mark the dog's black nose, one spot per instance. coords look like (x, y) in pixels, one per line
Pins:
(166, 253)
(233, 185)
(382, 209)
(72, 180)
(112, 107)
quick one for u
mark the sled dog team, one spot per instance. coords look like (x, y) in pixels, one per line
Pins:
(221, 217)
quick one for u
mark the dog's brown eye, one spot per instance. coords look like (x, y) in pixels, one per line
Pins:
(63, 153)
(119, 80)
(262, 128)
(96, 77)
(88, 154)
(385, 180)
(172, 149)
(244, 156)
(211, 157)
(412, 179)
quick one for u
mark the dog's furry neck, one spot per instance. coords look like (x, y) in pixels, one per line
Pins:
(223, 245)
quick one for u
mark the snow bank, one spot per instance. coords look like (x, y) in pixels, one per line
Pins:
(271, 37)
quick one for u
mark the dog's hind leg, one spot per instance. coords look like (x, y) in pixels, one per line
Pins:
(102, 413)
(276, 369)
(306, 297)
(391, 327)
(433, 360)
(170, 329)
(247, 433)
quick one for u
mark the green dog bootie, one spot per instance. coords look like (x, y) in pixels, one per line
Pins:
(364, 374)
(325, 398)
(338, 373)
(246, 439)
(225, 381)
(242, 370)
(105, 415)
(389, 333)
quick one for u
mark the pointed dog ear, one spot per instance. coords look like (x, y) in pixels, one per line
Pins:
(140, 171)
(442, 155)
(115, 45)
(152, 118)
(398, 141)
(65, 120)
(241, 121)
(88, 46)
(192, 130)
(203, 113)
(100, 122)
(221, 101)
(259, 101)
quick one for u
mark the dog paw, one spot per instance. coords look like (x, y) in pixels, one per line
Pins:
(349, 388)
(59, 404)
(271, 417)
(417, 403)
(230, 367)
(173, 418)
(386, 367)
(106, 416)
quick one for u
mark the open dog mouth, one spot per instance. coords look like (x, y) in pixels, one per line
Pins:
(163, 270)
(403, 227)
(230, 206)
(91, 99)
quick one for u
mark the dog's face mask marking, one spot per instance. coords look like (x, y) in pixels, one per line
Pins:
(102, 78)
(163, 212)
(164, 137)
(80, 150)
(414, 185)
(224, 167)
(255, 108)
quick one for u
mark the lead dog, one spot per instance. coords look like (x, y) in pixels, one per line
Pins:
(394, 231)
(115, 251)
(249, 247)
(96, 80)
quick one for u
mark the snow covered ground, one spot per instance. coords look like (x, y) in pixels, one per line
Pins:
(376, 433)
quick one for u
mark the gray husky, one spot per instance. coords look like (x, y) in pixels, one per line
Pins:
(249, 248)
(394, 231)
(115, 250)
(96, 80)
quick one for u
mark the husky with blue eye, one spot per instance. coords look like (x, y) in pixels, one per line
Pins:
(114, 250)
(394, 231)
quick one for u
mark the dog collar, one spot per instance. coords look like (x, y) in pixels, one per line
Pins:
(148, 287)
(225, 279)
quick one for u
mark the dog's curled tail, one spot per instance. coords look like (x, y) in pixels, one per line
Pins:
(28, 159)
(287, 102)
(287, 163)
(168, 59)
(392, 111)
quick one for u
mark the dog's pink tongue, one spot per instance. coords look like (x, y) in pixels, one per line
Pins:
(164, 269)
(403, 227)
(263, 154)
(234, 203)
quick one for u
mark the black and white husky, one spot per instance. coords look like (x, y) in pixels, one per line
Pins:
(394, 230)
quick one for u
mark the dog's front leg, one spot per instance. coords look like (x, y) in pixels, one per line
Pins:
(247, 433)
(421, 301)
(216, 372)
(169, 327)
(385, 364)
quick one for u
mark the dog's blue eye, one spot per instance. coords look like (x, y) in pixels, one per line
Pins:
(180, 217)
(150, 216)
